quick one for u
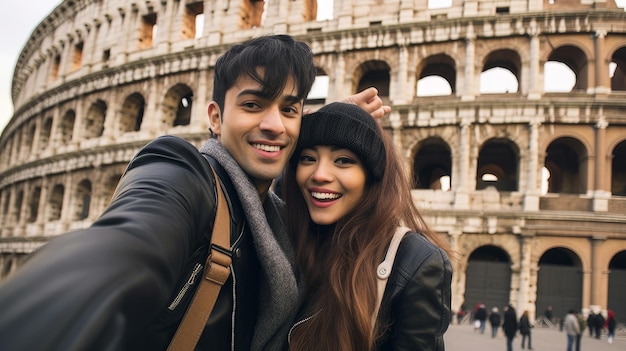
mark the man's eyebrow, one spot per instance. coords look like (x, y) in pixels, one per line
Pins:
(254, 92)
(263, 95)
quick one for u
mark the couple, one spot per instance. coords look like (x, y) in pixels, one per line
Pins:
(308, 282)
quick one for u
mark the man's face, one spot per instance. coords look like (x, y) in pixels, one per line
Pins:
(259, 133)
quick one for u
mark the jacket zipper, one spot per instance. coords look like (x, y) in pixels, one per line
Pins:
(298, 323)
(197, 269)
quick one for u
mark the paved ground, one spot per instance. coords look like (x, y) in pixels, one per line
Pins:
(463, 338)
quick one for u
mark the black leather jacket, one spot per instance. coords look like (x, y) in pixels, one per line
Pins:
(416, 302)
(109, 286)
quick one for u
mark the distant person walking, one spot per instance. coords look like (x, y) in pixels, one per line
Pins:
(481, 315)
(599, 322)
(495, 320)
(524, 329)
(591, 323)
(610, 325)
(581, 323)
(571, 327)
(510, 326)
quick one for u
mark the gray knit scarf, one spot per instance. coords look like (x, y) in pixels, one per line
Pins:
(278, 297)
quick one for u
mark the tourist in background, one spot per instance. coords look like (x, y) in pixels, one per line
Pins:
(571, 327)
(495, 320)
(481, 316)
(524, 329)
(610, 325)
(581, 323)
(597, 325)
(510, 326)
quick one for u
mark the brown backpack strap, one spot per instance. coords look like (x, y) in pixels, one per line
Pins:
(216, 272)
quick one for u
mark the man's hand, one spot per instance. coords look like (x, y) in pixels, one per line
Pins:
(369, 100)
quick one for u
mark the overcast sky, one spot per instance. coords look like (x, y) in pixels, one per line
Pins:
(17, 21)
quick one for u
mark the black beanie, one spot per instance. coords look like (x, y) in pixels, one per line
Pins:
(347, 126)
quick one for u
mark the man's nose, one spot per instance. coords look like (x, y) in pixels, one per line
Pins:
(272, 121)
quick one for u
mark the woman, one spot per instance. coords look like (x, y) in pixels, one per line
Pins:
(610, 324)
(524, 330)
(346, 193)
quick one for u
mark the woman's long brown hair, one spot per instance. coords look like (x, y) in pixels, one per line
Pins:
(338, 263)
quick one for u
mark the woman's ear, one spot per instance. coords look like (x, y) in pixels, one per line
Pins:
(215, 118)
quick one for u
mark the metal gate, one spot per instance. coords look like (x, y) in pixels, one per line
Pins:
(560, 287)
(617, 292)
(487, 282)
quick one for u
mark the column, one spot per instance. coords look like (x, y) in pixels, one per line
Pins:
(531, 197)
(602, 168)
(599, 283)
(469, 79)
(523, 298)
(535, 87)
(401, 91)
(460, 177)
(199, 108)
(602, 82)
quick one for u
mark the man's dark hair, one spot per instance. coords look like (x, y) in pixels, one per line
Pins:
(281, 58)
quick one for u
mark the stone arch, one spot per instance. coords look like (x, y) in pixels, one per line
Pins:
(177, 106)
(618, 169)
(6, 206)
(559, 281)
(506, 59)
(130, 116)
(82, 200)
(309, 10)
(93, 125)
(66, 127)
(618, 81)
(432, 164)
(27, 143)
(440, 66)
(319, 90)
(192, 12)
(373, 73)
(251, 13)
(16, 142)
(45, 132)
(17, 207)
(55, 202)
(617, 284)
(566, 160)
(109, 184)
(488, 277)
(32, 207)
(576, 60)
(498, 157)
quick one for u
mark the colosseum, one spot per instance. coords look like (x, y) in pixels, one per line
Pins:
(528, 182)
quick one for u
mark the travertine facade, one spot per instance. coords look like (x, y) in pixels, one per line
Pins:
(100, 78)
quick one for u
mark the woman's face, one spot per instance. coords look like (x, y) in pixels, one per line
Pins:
(332, 181)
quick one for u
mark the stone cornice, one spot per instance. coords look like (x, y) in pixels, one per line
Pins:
(70, 161)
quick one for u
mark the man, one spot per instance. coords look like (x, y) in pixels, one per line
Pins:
(572, 329)
(121, 284)
(510, 326)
